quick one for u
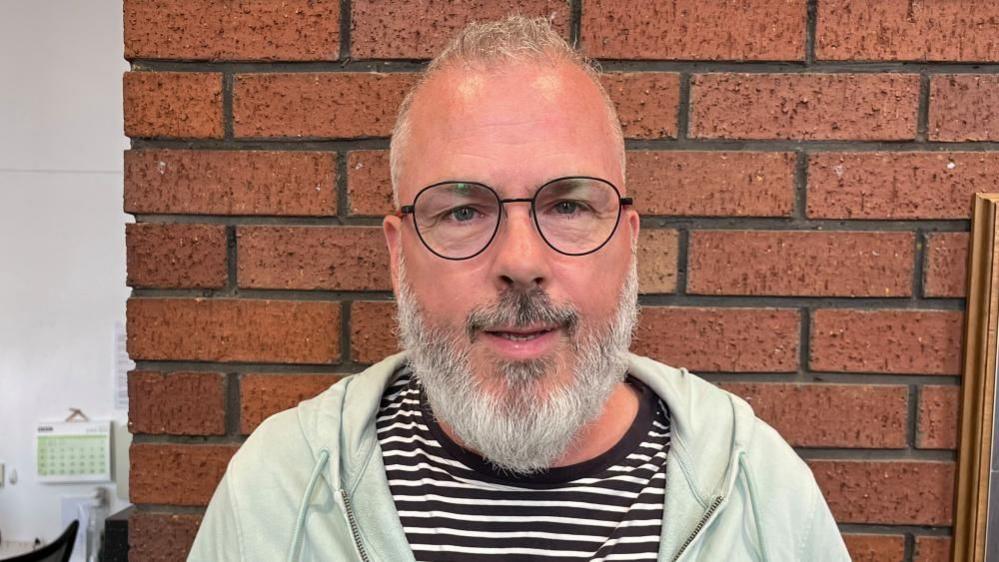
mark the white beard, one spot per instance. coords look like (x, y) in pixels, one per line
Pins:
(532, 421)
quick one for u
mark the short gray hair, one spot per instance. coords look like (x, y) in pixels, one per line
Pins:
(484, 45)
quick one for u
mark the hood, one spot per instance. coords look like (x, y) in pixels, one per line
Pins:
(710, 429)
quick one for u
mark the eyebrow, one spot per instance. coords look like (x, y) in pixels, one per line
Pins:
(495, 186)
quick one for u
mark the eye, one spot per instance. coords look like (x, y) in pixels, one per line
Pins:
(569, 208)
(462, 214)
(566, 207)
(457, 216)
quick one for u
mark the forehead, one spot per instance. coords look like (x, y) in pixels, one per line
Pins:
(513, 128)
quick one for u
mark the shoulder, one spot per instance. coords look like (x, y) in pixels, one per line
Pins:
(287, 439)
(789, 508)
(279, 439)
(708, 419)
(340, 416)
(768, 453)
(787, 496)
(795, 514)
(253, 508)
(710, 414)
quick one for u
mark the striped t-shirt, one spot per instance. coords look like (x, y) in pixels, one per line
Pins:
(455, 507)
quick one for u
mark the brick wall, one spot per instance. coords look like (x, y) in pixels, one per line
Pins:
(805, 171)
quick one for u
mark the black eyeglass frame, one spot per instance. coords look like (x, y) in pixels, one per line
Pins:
(410, 210)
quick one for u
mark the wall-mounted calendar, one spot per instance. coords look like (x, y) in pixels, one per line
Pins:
(76, 451)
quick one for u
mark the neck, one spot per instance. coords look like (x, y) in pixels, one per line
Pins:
(596, 437)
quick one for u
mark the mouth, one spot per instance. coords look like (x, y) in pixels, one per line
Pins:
(528, 342)
(521, 333)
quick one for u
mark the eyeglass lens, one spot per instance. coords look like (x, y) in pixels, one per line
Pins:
(574, 215)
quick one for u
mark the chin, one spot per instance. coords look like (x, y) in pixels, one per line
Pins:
(519, 380)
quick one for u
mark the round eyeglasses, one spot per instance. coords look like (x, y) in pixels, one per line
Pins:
(458, 220)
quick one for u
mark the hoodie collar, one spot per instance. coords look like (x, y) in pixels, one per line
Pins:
(709, 431)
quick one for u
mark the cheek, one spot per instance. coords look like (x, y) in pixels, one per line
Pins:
(448, 294)
(593, 289)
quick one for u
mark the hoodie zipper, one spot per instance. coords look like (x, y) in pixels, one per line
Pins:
(700, 525)
(353, 527)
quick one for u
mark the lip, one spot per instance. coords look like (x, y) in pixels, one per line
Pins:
(523, 350)
(524, 330)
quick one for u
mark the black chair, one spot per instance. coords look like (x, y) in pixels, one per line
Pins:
(58, 550)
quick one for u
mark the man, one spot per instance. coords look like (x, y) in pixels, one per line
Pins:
(515, 425)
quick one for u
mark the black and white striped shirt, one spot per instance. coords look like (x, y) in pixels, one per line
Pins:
(454, 506)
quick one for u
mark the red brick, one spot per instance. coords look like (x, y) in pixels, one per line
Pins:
(313, 257)
(419, 29)
(875, 548)
(720, 339)
(173, 104)
(317, 105)
(161, 537)
(907, 31)
(262, 395)
(646, 102)
(946, 270)
(691, 30)
(372, 331)
(887, 341)
(369, 183)
(804, 106)
(176, 255)
(176, 474)
(897, 185)
(230, 182)
(690, 183)
(964, 107)
(831, 415)
(658, 250)
(800, 263)
(176, 403)
(243, 330)
(938, 417)
(246, 30)
(887, 492)
(932, 549)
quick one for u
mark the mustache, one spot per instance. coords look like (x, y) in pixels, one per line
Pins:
(521, 308)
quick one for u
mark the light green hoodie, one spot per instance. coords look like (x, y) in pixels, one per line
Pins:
(309, 484)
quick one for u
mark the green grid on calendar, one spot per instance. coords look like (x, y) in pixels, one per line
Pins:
(72, 455)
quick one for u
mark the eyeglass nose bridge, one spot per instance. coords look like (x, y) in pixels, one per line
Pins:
(530, 200)
(533, 217)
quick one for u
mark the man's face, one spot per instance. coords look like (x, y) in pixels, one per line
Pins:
(513, 130)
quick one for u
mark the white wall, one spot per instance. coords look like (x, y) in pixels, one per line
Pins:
(62, 236)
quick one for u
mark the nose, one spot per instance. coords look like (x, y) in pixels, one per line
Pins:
(521, 255)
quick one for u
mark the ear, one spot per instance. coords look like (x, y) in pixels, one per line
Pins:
(392, 229)
(634, 220)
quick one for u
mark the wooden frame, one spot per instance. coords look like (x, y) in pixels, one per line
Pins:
(976, 537)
